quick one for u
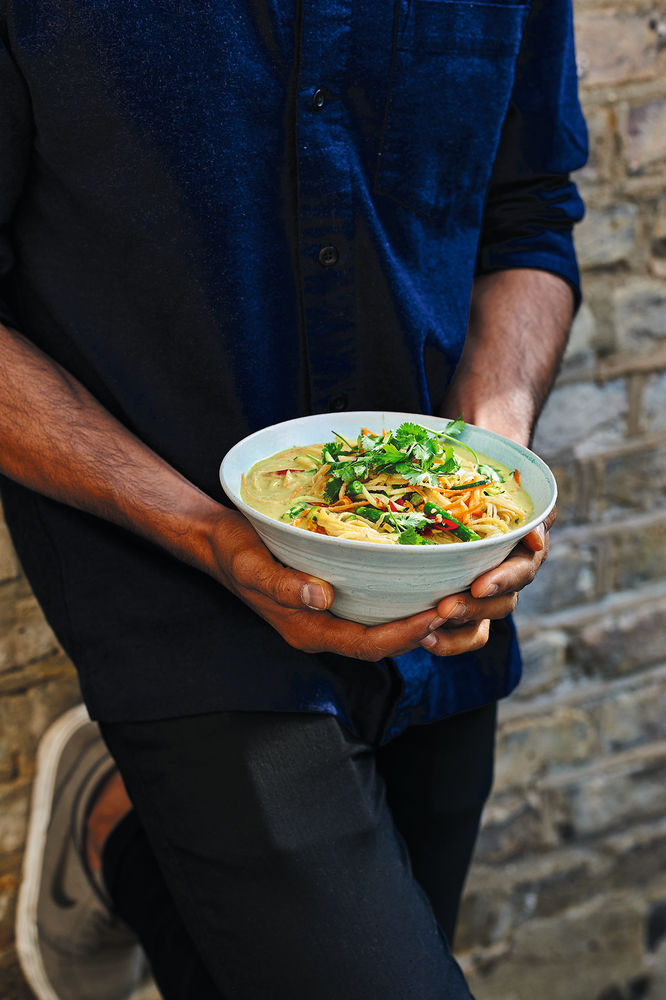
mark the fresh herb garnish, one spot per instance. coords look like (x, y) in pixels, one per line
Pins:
(411, 519)
(332, 489)
(455, 427)
(412, 537)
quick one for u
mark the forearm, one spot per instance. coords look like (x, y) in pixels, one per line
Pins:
(58, 440)
(518, 329)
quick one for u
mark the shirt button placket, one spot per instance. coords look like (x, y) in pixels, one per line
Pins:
(325, 202)
(328, 256)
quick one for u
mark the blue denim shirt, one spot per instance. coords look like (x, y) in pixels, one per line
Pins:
(225, 214)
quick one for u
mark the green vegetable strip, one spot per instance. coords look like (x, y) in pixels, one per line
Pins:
(461, 530)
(470, 486)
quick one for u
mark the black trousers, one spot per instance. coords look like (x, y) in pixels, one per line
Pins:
(275, 856)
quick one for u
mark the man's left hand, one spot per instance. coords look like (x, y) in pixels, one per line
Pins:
(494, 594)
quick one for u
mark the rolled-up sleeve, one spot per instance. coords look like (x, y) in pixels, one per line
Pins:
(532, 204)
(15, 144)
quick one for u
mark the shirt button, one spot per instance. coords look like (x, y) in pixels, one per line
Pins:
(328, 256)
(318, 99)
(338, 402)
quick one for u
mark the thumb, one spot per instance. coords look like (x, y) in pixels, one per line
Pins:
(316, 594)
(249, 567)
(293, 589)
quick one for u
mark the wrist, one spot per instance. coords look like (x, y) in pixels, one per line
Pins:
(512, 417)
(188, 526)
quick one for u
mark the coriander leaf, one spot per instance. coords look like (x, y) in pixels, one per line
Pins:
(413, 475)
(330, 452)
(411, 520)
(417, 477)
(412, 537)
(348, 471)
(455, 427)
(409, 432)
(367, 442)
(448, 467)
(332, 489)
(389, 453)
(424, 451)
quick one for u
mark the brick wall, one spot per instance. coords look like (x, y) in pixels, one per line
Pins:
(36, 685)
(567, 899)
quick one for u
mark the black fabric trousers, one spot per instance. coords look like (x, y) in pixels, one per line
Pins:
(273, 855)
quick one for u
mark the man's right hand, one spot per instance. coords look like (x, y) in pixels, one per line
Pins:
(296, 605)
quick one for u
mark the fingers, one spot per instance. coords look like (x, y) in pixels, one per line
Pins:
(494, 595)
(513, 574)
(251, 569)
(537, 539)
(520, 567)
(315, 632)
(461, 609)
(451, 641)
(288, 587)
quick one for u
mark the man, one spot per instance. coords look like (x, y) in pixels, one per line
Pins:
(216, 217)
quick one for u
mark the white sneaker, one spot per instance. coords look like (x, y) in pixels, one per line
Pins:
(70, 945)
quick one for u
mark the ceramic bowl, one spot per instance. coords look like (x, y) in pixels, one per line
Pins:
(380, 583)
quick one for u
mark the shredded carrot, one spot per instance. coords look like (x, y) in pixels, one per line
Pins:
(476, 510)
(516, 476)
(341, 506)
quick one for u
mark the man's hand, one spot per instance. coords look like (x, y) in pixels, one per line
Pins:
(495, 593)
(296, 604)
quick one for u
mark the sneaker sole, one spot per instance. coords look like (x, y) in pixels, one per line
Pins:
(27, 939)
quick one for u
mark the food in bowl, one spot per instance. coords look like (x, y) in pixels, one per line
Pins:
(411, 486)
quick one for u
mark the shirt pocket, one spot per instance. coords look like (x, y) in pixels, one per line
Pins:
(451, 80)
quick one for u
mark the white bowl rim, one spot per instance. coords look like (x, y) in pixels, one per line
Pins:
(358, 545)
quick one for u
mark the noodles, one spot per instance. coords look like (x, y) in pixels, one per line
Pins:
(413, 486)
